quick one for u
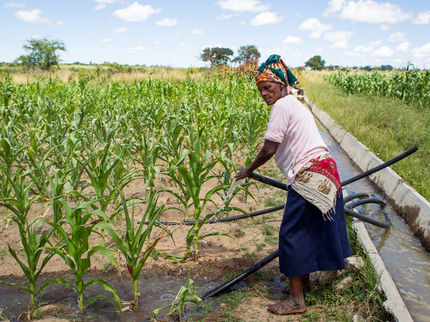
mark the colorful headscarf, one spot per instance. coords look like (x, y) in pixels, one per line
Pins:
(275, 70)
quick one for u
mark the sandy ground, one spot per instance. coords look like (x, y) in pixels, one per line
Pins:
(218, 257)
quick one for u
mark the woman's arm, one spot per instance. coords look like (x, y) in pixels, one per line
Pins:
(267, 151)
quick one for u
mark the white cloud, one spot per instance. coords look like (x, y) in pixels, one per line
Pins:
(423, 18)
(134, 50)
(60, 22)
(157, 42)
(340, 44)
(385, 27)
(242, 5)
(224, 16)
(334, 6)
(367, 11)
(266, 18)
(34, 15)
(120, 30)
(14, 5)
(351, 53)
(182, 44)
(167, 22)
(292, 40)
(314, 26)
(383, 51)
(376, 43)
(197, 31)
(361, 50)
(422, 52)
(338, 36)
(135, 12)
(397, 37)
(403, 47)
(106, 39)
(101, 4)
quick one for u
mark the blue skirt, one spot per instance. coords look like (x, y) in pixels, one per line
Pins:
(307, 242)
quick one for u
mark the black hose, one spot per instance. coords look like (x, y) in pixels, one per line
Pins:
(268, 181)
(353, 196)
(283, 186)
(366, 201)
(240, 277)
(225, 219)
(380, 167)
(366, 218)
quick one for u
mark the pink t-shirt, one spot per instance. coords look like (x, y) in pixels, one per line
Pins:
(292, 125)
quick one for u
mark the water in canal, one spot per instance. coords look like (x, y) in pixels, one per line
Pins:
(405, 258)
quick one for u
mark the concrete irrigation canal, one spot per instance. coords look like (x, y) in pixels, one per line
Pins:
(401, 251)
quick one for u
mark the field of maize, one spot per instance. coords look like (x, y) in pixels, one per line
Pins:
(70, 150)
(411, 85)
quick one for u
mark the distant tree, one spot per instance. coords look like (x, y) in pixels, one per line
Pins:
(216, 55)
(247, 55)
(386, 67)
(315, 63)
(42, 53)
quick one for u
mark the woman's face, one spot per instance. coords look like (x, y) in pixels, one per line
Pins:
(271, 91)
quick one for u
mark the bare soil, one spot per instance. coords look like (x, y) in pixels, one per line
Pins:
(219, 257)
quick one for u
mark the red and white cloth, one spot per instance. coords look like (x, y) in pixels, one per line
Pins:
(318, 182)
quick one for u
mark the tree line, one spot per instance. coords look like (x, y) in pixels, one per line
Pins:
(44, 54)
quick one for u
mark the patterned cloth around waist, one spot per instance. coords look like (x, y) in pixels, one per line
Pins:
(318, 182)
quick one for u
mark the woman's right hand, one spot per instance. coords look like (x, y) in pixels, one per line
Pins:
(244, 173)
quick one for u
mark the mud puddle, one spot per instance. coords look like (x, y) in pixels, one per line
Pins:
(60, 302)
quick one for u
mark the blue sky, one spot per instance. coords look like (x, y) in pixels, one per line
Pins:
(174, 33)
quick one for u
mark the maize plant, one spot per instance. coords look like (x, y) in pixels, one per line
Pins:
(136, 246)
(75, 250)
(190, 173)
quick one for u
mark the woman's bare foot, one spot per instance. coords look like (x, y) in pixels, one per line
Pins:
(306, 286)
(289, 306)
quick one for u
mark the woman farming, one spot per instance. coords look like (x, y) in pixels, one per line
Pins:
(312, 235)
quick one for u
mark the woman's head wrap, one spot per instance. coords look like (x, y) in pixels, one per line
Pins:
(275, 70)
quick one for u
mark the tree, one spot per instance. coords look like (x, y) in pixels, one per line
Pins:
(42, 53)
(315, 63)
(247, 55)
(216, 55)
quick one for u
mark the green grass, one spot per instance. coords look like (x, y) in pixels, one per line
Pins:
(387, 126)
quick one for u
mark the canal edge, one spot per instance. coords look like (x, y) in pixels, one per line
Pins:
(394, 303)
(366, 160)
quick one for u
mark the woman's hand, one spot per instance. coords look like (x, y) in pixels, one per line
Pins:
(244, 173)
(267, 151)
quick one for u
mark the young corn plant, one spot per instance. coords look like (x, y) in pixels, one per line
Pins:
(148, 154)
(187, 294)
(33, 244)
(136, 246)
(75, 250)
(99, 167)
(191, 172)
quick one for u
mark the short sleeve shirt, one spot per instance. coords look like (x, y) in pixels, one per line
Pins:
(292, 125)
